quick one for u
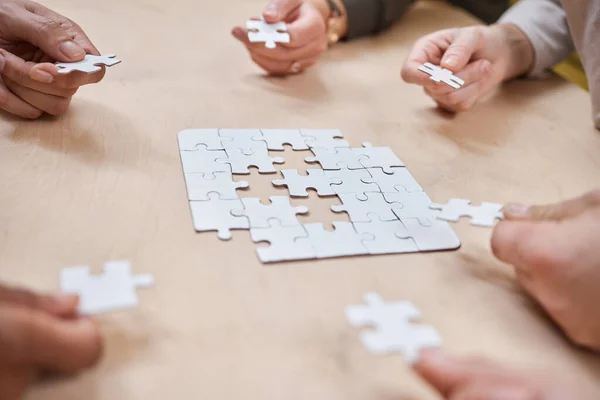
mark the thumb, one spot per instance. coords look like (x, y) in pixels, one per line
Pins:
(279, 10)
(553, 212)
(462, 48)
(48, 35)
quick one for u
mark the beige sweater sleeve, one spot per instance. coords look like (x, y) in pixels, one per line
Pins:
(544, 22)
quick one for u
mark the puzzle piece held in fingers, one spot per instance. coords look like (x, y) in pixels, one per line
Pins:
(439, 74)
(89, 64)
(261, 31)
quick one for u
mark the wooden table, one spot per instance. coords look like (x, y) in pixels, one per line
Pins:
(105, 182)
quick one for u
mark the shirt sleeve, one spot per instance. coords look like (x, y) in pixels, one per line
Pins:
(370, 16)
(544, 22)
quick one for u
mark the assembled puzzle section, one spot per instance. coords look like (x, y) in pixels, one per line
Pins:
(389, 211)
(113, 290)
(394, 326)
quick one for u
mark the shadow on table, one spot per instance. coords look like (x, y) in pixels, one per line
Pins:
(89, 132)
(489, 123)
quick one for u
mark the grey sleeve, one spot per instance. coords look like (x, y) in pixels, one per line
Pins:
(544, 22)
(369, 16)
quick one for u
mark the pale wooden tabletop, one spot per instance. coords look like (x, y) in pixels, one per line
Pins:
(105, 183)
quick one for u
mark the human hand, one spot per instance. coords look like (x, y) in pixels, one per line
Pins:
(483, 56)
(307, 28)
(42, 334)
(32, 37)
(555, 250)
(477, 379)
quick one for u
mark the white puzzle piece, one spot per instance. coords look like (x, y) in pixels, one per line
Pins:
(89, 64)
(215, 215)
(343, 241)
(385, 237)
(199, 186)
(203, 161)
(400, 180)
(352, 181)
(259, 158)
(484, 215)
(338, 159)
(192, 139)
(439, 74)
(286, 243)
(260, 214)
(438, 235)
(395, 331)
(413, 205)
(114, 290)
(324, 138)
(263, 32)
(297, 184)
(379, 157)
(374, 206)
(276, 138)
(243, 139)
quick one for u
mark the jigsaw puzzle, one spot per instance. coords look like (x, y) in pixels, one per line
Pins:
(385, 237)
(269, 34)
(399, 180)
(200, 185)
(243, 139)
(276, 138)
(324, 138)
(239, 161)
(288, 243)
(389, 212)
(378, 157)
(352, 181)
(439, 74)
(395, 328)
(194, 139)
(89, 64)
(374, 206)
(114, 290)
(316, 179)
(260, 214)
(215, 215)
(203, 161)
(343, 241)
(484, 215)
(339, 158)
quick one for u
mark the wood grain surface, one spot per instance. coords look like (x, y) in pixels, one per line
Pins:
(104, 182)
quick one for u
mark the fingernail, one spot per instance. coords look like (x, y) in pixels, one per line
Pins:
(271, 11)
(296, 68)
(516, 210)
(237, 32)
(451, 61)
(71, 50)
(41, 76)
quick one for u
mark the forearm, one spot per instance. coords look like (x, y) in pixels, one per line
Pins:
(544, 24)
(370, 16)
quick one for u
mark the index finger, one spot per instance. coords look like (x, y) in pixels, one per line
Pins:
(77, 34)
(430, 49)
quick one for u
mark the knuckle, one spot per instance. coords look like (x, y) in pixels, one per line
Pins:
(48, 27)
(4, 97)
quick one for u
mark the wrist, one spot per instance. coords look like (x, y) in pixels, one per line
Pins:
(519, 52)
(336, 24)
